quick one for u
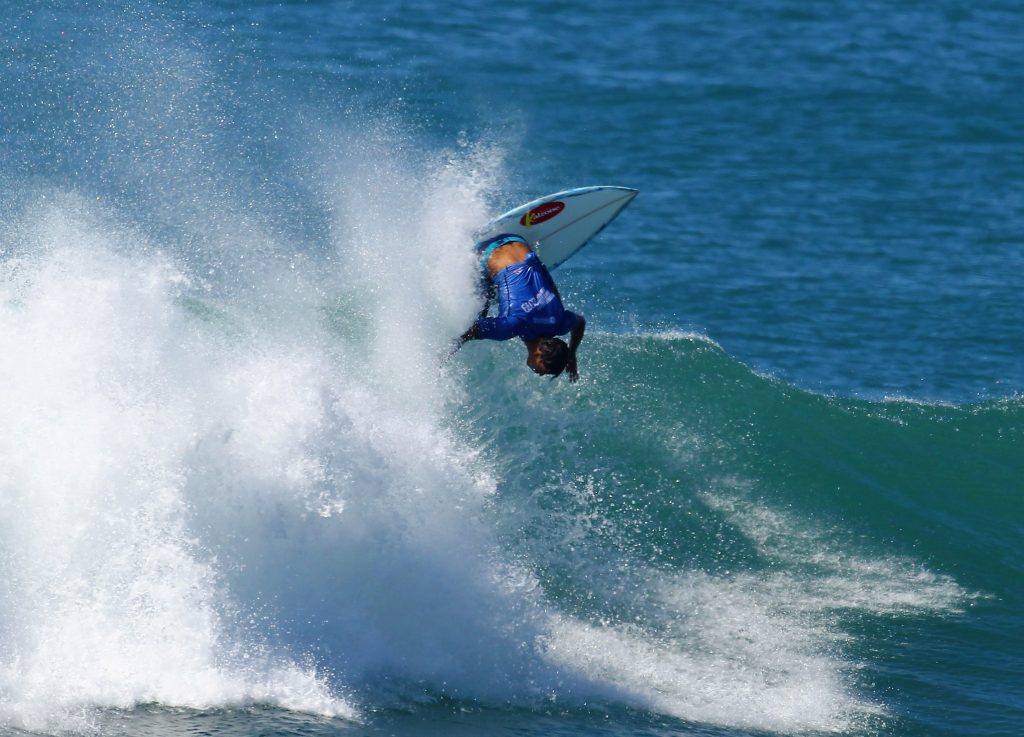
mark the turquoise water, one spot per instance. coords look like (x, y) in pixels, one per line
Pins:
(241, 493)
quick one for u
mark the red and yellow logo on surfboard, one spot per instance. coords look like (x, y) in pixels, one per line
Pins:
(541, 213)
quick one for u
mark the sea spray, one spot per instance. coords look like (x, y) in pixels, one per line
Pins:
(108, 599)
(206, 485)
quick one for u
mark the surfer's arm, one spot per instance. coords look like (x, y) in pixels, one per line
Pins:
(474, 330)
(574, 342)
(491, 328)
(496, 328)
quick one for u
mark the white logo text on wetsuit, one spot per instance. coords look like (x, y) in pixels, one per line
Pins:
(541, 298)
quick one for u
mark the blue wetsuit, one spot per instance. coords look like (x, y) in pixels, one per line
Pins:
(528, 303)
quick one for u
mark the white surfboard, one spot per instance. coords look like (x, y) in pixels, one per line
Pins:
(559, 225)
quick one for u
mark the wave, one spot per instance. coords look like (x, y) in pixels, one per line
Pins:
(722, 539)
(262, 486)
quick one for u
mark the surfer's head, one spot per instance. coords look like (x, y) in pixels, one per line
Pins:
(547, 356)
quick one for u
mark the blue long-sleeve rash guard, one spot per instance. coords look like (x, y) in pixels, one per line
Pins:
(528, 304)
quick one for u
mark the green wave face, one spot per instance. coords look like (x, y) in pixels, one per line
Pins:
(737, 525)
(668, 422)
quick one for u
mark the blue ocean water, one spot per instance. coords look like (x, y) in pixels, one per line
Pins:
(241, 493)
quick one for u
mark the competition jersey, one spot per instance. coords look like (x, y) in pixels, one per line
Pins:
(528, 305)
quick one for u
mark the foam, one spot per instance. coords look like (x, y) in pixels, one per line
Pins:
(687, 335)
(107, 600)
(746, 650)
(722, 655)
(827, 575)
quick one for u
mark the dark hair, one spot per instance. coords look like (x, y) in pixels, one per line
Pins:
(554, 354)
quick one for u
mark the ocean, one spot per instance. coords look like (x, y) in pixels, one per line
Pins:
(242, 492)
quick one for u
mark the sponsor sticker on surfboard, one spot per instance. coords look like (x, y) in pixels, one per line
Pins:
(542, 213)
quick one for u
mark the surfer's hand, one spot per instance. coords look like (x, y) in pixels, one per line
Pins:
(570, 368)
(472, 334)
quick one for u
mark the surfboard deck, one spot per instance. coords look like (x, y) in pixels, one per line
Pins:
(560, 224)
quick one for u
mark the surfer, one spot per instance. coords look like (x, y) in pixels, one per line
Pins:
(529, 307)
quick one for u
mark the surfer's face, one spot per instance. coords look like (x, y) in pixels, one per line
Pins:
(534, 360)
(547, 356)
(535, 363)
